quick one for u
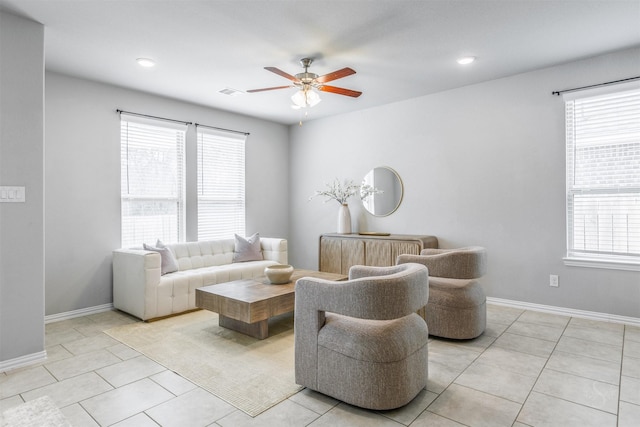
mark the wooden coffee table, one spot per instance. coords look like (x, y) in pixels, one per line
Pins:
(246, 305)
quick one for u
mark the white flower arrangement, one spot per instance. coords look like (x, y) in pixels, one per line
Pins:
(341, 193)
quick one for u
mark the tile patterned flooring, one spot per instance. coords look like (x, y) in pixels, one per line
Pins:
(527, 369)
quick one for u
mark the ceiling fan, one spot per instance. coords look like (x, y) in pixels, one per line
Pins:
(307, 81)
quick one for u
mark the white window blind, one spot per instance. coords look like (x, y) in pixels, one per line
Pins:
(221, 184)
(603, 175)
(152, 180)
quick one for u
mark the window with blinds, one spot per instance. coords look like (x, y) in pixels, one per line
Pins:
(603, 174)
(221, 184)
(152, 181)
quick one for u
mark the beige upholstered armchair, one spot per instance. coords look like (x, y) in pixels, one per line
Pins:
(360, 340)
(457, 304)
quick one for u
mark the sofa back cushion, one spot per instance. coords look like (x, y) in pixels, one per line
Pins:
(203, 254)
(210, 253)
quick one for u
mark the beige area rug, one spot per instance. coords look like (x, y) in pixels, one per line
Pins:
(41, 412)
(252, 375)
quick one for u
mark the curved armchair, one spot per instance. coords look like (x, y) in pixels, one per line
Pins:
(360, 340)
(457, 304)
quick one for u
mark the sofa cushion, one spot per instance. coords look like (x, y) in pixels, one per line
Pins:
(247, 249)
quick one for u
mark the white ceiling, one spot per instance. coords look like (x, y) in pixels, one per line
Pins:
(400, 49)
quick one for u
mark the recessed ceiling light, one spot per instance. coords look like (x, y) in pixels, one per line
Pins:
(466, 60)
(146, 62)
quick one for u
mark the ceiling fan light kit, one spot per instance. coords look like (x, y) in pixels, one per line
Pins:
(305, 98)
(309, 83)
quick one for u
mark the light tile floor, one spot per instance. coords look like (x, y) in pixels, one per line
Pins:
(527, 369)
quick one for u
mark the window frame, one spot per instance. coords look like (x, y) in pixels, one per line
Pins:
(226, 148)
(127, 196)
(583, 257)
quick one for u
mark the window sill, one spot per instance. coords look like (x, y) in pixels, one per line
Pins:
(599, 263)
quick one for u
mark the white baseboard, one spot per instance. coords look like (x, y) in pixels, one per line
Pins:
(30, 359)
(77, 313)
(593, 315)
(19, 362)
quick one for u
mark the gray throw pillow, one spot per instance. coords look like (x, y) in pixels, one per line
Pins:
(168, 263)
(247, 249)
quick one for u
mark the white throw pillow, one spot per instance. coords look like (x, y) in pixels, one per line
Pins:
(168, 263)
(247, 249)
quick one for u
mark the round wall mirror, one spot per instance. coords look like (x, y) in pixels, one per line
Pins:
(389, 183)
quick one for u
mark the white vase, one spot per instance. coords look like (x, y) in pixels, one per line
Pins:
(344, 220)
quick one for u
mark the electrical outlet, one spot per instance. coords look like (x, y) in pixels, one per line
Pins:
(553, 280)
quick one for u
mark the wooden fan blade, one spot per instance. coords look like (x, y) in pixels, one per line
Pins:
(340, 91)
(282, 73)
(335, 75)
(268, 88)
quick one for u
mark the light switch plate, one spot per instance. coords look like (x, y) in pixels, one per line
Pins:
(12, 194)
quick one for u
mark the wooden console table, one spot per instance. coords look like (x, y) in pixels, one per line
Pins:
(338, 252)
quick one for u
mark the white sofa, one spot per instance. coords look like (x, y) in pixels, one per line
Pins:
(141, 290)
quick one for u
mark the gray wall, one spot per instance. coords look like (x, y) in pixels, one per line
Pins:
(82, 173)
(21, 164)
(482, 165)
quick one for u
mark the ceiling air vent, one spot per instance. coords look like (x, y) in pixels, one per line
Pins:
(231, 92)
